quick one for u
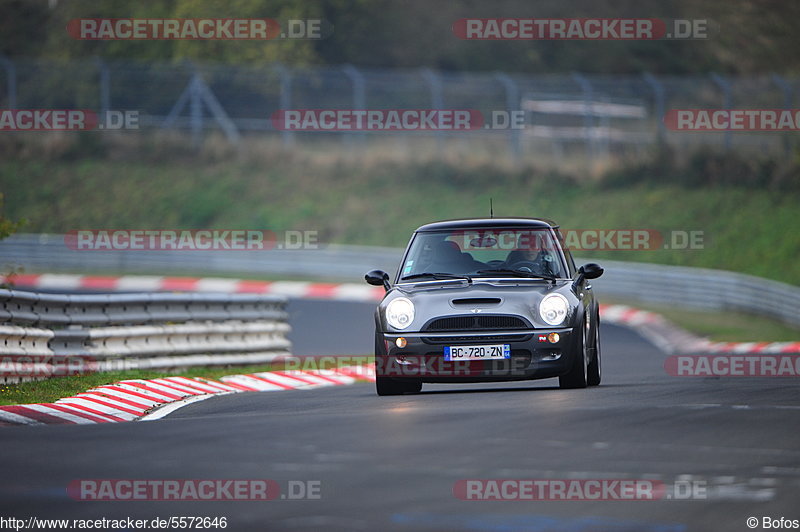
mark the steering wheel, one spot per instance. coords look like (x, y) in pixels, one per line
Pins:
(527, 266)
(539, 266)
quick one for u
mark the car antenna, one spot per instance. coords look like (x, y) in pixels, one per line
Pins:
(491, 209)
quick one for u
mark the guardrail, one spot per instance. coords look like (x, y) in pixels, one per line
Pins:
(695, 288)
(44, 335)
(700, 288)
(49, 253)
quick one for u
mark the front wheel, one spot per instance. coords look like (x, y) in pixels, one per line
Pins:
(578, 373)
(389, 386)
(594, 370)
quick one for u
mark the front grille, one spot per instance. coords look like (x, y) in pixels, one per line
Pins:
(477, 323)
(483, 339)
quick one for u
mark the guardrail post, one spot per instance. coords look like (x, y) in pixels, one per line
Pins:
(588, 121)
(196, 110)
(437, 98)
(658, 96)
(196, 94)
(206, 96)
(11, 81)
(727, 103)
(786, 87)
(188, 96)
(105, 87)
(285, 98)
(359, 93)
(512, 105)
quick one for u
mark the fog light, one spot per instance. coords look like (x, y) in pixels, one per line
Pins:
(400, 342)
(553, 337)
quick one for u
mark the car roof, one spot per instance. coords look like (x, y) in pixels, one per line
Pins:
(474, 223)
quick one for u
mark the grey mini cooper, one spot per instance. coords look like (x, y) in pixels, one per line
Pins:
(486, 300)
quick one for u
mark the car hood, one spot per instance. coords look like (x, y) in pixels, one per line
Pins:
(507, 297)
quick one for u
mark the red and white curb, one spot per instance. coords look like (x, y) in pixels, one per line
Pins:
(767, 348)
(629, 316)
(144, 400)
(143, 283)
(653, 325)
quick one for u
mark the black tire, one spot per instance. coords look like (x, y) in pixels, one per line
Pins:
(594, 369)
(578, 373)
(390, 386)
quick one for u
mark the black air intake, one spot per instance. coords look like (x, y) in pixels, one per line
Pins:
(477, 301)
(477, 323)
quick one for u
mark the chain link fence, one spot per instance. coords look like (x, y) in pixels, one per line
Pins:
(565, 116)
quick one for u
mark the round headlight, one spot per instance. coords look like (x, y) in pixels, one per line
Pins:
(554, 309)
(400, 313)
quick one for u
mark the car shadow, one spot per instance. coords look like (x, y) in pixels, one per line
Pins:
(514, 389)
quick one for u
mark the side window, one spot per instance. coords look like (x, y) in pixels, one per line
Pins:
(567, 254)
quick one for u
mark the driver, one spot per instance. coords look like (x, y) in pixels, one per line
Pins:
(531, 249)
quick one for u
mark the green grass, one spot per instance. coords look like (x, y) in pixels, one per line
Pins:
(722, 326)
(50, 390)
(375, 201)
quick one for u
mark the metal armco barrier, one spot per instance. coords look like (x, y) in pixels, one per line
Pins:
(49, 253)
(700, 288)
(44, 335)
(695, 288)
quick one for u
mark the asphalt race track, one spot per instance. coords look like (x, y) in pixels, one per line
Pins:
(391, 463)
(324, 327)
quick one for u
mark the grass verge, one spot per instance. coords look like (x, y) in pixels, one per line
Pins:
(50, 390)
(722, 326)
(751, 227)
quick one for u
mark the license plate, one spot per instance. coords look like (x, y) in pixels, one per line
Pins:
(477, 352)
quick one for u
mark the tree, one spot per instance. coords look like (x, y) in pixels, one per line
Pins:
(7, 227)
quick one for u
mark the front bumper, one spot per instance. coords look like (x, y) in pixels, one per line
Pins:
(533, 356)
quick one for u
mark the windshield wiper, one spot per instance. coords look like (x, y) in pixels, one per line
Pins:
(519, 273)
(437, 276)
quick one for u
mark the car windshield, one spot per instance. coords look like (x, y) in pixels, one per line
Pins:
(494, 252)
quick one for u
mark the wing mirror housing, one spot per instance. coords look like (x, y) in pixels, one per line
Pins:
(591, 270)
(587, 271)
(378, 278)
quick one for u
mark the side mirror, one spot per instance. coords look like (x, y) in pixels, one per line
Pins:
(591, 270)
(378, 278)
(587, 271)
